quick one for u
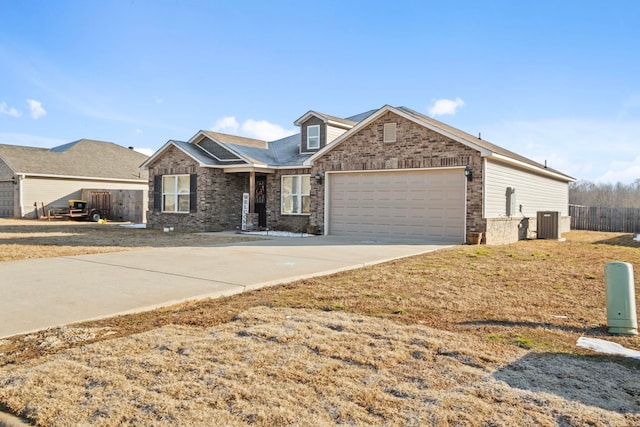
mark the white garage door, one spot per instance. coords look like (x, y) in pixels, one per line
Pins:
(423, 204)
(6, 199)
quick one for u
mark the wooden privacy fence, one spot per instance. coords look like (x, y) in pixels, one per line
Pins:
(624, 220)
(117, 205)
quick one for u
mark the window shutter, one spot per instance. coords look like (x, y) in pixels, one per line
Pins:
(157, 193)
(193, 193)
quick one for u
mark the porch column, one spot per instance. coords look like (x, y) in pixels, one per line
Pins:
(252, 192)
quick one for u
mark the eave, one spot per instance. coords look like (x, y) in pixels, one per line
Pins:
(322, 117)
(522, 165)
(86, 178)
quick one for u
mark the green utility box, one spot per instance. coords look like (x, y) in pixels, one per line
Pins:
(621, 298)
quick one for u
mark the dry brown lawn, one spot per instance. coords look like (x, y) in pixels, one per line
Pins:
(471, 335)
(26, 239)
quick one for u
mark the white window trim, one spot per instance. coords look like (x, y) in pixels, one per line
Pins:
(176, 194)
(315, 147)
(299, 195)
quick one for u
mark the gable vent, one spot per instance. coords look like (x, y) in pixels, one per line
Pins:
(389, 134)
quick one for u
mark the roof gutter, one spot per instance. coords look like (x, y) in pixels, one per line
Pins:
(256, 168)
(339, 125)
(245, 168)
(527, 166)
(89, 178)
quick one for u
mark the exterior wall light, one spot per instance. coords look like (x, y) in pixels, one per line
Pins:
(318, 177)
(468, 173)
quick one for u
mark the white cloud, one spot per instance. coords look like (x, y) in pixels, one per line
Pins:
(259, 129)
(595, 150)
(4, 109)
(227, 124)
(145, 151)
(139, 131)
(36, 108)
(622, 171)
(442, 107)
(262, 129)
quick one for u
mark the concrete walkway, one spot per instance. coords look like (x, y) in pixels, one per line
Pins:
(43, 293)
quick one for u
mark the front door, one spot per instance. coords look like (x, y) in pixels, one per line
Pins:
(261, 200)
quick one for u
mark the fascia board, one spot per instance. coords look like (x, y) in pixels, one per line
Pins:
(220, 143)
(195, 137)
(483, 151)
(380, 112)
(321, 117)
(347, 134)
(258, 168)
(157, 154)
(339, 124)
(542, 171)
(246, 168)
(306, 116)
(84, 178)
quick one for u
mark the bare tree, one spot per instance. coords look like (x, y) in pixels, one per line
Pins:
(618, 195)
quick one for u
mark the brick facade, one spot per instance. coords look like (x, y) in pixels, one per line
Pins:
(219, 194)
(219, 198)
(501, 231)
(275, 219)
(416, 147)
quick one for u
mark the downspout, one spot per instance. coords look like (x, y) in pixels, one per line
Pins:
(20, 179)
(484, 189)
(327, 189)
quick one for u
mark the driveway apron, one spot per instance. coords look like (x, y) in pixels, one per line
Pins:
(44, 293)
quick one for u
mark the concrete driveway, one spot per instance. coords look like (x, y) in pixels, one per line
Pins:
(43, 293)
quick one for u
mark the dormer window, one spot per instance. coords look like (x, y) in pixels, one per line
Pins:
(313, 137)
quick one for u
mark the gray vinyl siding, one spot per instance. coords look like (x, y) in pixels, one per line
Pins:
(533, 192)
(303, 134)
(333, 133)
(55, 193)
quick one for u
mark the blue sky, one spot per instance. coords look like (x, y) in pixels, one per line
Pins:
(552, 80)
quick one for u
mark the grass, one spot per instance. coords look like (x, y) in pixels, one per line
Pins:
(28, 239)
(464, 336)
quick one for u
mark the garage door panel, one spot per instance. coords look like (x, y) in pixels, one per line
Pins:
(429, 204)
(6, 199)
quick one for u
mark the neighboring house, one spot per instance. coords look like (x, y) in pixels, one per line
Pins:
(51, 177)
(388, 172)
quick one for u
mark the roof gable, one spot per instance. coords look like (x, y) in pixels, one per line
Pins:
(216, 150)
(195, 151)
(485, 148)
(82, 158)
(231, 139)
(326, 118)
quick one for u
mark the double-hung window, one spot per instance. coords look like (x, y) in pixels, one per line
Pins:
(176, 193)
(313, 137)
(295, 194)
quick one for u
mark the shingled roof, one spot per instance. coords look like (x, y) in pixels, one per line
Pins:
(486, 145)
(214, 149)
(82, 158)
